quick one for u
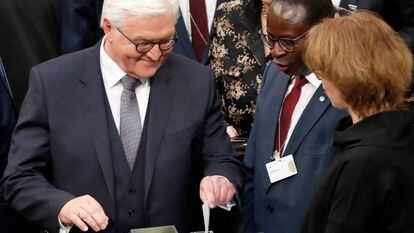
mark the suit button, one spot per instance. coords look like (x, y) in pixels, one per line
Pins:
(269, 209)
(131, 212)
(131, 191)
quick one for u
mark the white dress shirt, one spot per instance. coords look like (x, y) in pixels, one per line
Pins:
(308, 90)
(336, 2)
(112, 75)
(185, 13)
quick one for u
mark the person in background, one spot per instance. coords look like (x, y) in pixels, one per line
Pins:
(11, 222)
(79, 24)
(370, 185)
(238, 57)
(29, 36)
(195, 27)
(291, 142)
(106, 132)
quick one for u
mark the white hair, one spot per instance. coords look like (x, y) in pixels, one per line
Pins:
(116, 10)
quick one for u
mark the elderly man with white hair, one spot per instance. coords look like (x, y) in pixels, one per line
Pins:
(125, 134)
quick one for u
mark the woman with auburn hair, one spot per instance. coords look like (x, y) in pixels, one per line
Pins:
(365, 68)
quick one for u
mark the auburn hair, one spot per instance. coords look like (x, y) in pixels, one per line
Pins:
(364, 58)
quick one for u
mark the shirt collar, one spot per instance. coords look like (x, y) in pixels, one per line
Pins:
(313, 80)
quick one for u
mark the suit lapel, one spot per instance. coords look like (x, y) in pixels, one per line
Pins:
(92, 100)
(313, 111)
(159, 106)
(275, 90)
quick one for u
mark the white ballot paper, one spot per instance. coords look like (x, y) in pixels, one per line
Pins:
(206, 216)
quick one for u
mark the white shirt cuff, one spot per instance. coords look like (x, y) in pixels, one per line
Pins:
(63, 228)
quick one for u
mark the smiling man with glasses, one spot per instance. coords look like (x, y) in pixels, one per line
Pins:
(106, 132)
(290, 145)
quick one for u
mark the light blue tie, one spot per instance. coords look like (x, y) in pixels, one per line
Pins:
(130, 120)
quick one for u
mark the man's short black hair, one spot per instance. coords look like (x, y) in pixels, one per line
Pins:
(317, 10)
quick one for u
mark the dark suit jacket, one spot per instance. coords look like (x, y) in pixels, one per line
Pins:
(8, 117)
(184, 46)
(398, 14)
(60, 147)
(30, 35)
(80, 22)
(11, 222)
(281, 206)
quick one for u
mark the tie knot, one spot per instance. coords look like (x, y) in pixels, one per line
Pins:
(130, 83)
(300, 81)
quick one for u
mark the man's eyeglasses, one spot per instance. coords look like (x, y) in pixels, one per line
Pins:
(286, 44)
(145, 46)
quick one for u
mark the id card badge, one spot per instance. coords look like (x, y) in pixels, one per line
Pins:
(282, 168)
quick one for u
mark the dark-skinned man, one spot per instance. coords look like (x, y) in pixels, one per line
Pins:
(290, 145)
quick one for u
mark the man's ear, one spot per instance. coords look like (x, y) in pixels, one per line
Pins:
(107, 28)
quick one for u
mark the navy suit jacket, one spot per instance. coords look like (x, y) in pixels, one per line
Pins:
(61, 149)
(281, 206)
(79, 24)
(183, 45)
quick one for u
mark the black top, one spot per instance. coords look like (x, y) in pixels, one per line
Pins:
(370, 186)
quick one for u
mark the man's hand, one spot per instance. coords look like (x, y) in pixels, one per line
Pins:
(216, 190)
(82, 212)
(232, 132)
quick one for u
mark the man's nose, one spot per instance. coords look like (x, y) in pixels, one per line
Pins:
(155, 52)
(277, 51)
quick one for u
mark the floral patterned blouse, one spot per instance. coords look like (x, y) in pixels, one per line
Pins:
(237, 57)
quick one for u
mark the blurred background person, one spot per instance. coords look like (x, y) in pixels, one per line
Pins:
(11, 221)
(79, 24)
(238, 57)
(293, 124)
(194, 28)
(370, 185)
(29, 36)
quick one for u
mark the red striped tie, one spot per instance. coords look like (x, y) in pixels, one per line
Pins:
(289, 105)
(199, 27)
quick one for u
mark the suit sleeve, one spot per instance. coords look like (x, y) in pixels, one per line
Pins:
(25, 184)
(217, 151)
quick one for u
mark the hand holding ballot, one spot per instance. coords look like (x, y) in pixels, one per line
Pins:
(216, 190)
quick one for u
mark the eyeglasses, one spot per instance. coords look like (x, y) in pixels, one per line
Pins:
(286, 44)
(145, 46)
